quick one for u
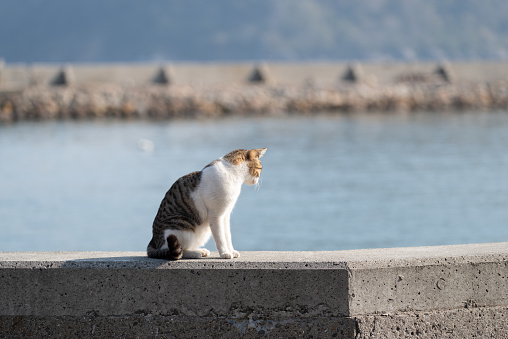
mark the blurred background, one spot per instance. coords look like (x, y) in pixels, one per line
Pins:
(125, 30)
(426, 168)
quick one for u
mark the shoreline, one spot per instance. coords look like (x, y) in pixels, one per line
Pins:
(161, 102)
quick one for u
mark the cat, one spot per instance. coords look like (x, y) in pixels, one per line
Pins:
(200, 204)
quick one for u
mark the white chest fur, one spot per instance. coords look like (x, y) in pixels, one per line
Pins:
(220, 187)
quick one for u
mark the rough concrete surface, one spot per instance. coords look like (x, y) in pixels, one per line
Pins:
(459, 323)
(442, 291)
(369, 258)
(141, 326)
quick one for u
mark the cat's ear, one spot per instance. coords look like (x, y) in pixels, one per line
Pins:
(261, 152)
(255, 153)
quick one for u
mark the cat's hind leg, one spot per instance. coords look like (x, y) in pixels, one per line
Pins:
(204, 252)
(194, 246)
(196, 254)
(192, 254)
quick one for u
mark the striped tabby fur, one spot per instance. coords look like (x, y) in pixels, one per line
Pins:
(199, 204)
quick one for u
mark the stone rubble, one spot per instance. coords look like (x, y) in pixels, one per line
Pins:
(156, 101)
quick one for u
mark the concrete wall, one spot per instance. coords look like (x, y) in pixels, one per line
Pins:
(17, 76)
(445, 291)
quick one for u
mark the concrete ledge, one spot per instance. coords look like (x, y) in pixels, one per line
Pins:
(16, 76)
(452, 291)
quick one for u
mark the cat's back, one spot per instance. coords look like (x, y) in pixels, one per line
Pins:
(185, 185)
(178, 199)
(190, 181)
(192, 185)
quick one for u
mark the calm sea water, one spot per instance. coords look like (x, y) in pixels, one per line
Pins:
(328, 183)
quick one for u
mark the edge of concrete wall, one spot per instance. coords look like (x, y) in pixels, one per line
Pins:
(277, 293)
(16, 76)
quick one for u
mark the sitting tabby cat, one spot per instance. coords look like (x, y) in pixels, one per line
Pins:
(201, 202)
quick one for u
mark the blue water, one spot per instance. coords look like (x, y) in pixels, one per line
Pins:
(328, 182)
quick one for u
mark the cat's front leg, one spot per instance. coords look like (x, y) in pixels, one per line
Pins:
(217, 226)
(227, 233)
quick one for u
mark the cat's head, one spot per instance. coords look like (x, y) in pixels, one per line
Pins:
(251, 158)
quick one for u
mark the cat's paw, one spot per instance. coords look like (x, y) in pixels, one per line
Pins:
(204, 252)
(236, 254)
(226, 255)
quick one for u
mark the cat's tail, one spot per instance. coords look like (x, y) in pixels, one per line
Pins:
(173, 252)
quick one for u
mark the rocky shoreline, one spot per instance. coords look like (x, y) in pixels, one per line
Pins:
(187, 101)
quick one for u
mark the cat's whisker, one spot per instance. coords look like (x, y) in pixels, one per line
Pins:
(256, 187)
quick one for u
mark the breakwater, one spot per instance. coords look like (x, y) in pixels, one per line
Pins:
(458, 291)
(180, 91)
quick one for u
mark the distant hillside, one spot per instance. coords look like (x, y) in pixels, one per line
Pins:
(151, 30)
